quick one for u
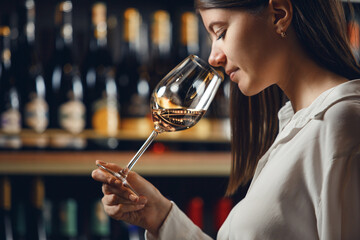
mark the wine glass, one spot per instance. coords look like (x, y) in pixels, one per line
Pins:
(178, 102)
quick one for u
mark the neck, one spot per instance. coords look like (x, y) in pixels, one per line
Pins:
(305, 80)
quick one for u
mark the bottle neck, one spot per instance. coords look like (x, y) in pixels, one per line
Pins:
(189, 33)
(99, 26)
(131, 35)
(27, 22)
(5, 44)
(63, 22)
(38, 193)
(99, 38)
(5, 197)
(25, 52)
(161, 34)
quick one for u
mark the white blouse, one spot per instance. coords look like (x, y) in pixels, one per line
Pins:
(307, 185)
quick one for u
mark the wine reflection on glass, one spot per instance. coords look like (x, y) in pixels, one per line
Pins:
(178, 102)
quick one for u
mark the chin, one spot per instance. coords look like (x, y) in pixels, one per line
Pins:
(250, 88)
(247, 90)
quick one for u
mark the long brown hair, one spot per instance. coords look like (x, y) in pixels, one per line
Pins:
(320, 26)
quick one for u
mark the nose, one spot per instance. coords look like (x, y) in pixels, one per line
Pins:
(217, 57)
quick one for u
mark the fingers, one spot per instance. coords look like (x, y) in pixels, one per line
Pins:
(122, 211)
(122, 194)
(111, 166)
(120, 208)
(105, 177)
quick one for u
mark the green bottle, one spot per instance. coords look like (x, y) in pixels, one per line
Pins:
(68, 222)
(100, 222)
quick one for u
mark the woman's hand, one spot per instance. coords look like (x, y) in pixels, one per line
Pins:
(147, 211)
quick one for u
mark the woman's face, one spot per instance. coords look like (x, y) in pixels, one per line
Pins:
(246, 45)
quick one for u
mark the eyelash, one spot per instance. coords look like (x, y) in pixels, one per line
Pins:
(221, 35)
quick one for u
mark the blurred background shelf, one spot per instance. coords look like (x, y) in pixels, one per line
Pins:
(82, 163)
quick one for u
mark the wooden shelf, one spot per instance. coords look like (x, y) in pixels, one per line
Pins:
(206, 131)
(82, 163)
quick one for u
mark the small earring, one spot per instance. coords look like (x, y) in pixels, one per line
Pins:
(283, 34)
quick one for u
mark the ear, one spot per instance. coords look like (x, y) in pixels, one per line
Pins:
(282, 13)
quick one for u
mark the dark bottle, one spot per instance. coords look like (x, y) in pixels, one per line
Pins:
(161, 57)
(68, 220)
(10, 116)
(48, 215)
(100, 222)
(132, 74)
(189, 35)
(35, 219)
(101, 88)
(98, 57)
(66, 90)
(35, 108)
(6, 227)
(20, 228)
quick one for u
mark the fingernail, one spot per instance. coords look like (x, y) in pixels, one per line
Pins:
(133, 197)
(101, 162)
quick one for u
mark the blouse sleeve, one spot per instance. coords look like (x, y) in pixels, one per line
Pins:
(178, 226)
(340, 193)
(340, 201)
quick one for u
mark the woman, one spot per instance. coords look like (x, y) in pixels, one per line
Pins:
(305, 184)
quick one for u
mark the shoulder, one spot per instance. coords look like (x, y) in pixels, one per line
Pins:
(341, 126)
(343, 115)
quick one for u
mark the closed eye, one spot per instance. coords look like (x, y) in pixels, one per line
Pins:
(221, 35)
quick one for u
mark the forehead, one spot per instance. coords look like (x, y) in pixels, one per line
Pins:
(216, 14)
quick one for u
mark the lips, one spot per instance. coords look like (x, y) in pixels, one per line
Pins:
(231, 73)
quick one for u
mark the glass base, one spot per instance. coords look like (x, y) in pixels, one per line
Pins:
(119, 176)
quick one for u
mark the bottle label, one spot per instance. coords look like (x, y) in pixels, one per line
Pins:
(106, 119)
(68, 218)
(72, 116)
(36, 114)
(100, 221)
(11, 121)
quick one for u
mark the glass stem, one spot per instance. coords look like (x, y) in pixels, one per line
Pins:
(143, 148)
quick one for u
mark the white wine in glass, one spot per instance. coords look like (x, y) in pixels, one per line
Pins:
(178, 102)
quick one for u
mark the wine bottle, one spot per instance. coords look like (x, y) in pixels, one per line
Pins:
(100, 222)
(97, 58)
(222, 210)
(189, 35)
(10, 116)
(48, 216)
(101, 88)
(161, 59)
(353, 31)
(6, 227)
(20, 228)
(61, 56)
(35, 218)
(68, 109)
(68, 219)
(132, 75)
(29, 70)
(195, 211)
